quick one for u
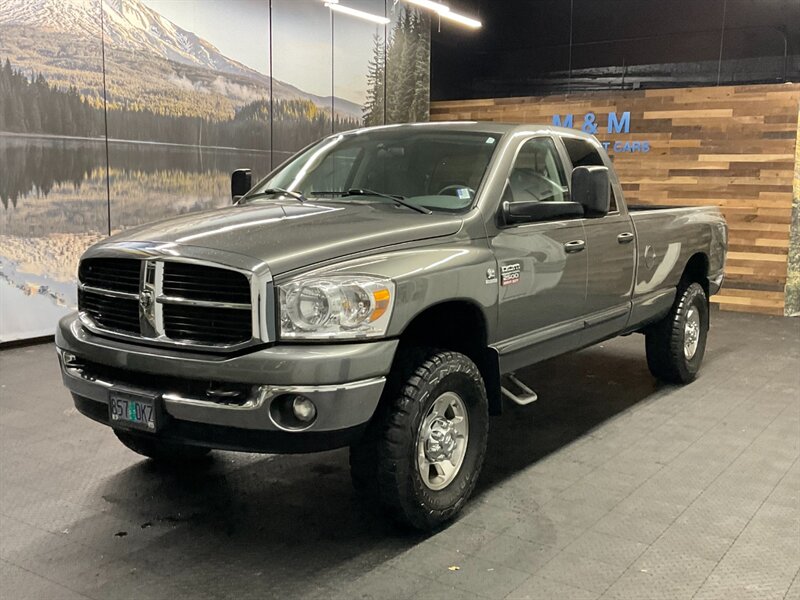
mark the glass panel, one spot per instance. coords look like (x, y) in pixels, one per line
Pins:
(302, 63)
(538, 175)
(52, 158)
(437, 169)
(582, 153)
(358, 67)
(408, 80)
(188, 101)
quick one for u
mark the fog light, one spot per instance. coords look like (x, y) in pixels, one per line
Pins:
(304, 409)
(292, 412)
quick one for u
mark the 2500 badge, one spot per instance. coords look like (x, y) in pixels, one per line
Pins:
(510, 274)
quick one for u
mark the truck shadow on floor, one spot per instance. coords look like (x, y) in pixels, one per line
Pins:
(577, 393)
(292, 524)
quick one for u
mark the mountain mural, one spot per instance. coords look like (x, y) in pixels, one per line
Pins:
(152, 62)
(115, 113)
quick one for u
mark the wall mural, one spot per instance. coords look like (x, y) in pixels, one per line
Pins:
(114, 113)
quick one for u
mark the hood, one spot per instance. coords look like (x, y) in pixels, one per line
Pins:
(288, 235)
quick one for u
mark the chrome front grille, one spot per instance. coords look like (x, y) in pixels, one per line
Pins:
(212, 325)
(119, 274)
(170, 301)
(109, 291)
(109, 312)
(199, 282)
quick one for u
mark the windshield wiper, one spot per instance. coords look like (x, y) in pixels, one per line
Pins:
(272, 191)
(394, 197)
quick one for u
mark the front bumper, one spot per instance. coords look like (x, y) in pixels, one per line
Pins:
(344, 381)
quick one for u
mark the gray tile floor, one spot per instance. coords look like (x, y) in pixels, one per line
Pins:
(610, 486)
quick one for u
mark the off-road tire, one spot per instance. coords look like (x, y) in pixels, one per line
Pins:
(160, 450)
(384, 464)
(664, 340)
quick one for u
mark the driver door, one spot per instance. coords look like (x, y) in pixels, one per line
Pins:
(541, 267)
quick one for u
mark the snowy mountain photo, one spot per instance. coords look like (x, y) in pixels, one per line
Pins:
(155, 62)
(115, 113)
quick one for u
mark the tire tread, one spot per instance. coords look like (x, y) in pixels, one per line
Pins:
(664, 339)
(391, 440)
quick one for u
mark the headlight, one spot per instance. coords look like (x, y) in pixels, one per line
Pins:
(337, 306)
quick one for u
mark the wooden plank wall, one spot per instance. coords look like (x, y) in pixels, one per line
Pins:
(732, 147)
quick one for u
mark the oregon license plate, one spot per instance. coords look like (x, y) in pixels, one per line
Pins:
(134, 410)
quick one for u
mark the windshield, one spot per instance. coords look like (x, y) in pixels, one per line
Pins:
(434, 169)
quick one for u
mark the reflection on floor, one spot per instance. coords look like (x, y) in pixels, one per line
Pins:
(609, 484)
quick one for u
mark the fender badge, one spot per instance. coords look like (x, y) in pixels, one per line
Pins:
(491, 276)
(510, 274)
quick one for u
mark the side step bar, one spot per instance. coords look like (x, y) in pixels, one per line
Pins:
(519, 392)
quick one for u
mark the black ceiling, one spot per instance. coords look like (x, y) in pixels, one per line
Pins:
(534, 46)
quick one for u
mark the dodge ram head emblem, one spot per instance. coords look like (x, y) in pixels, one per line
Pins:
(147, 297)
(146, 300)
(147, 304)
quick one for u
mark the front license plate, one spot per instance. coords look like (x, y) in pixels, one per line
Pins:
(133, 410)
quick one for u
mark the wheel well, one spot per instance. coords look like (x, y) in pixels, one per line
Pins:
(696, 270)
(457, 325)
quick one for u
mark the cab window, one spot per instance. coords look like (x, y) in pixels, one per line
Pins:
(537, 174)
(583, 153)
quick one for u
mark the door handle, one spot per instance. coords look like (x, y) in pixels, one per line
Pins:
(574, 246)
(625, 238)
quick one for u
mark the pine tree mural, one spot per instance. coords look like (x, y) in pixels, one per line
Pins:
(374, 107)
(400, 73)
(34, 106)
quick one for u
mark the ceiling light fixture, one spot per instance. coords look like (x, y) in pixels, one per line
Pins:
(444, 12)
(334, 5)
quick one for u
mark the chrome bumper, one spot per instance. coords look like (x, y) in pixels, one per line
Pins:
(345, 381)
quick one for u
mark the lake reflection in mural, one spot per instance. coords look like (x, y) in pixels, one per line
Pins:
(55, 205)
(185, 91)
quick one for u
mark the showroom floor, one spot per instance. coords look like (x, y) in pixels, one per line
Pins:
(610, 485)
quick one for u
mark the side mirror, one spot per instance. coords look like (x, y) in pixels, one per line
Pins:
(592, 189)
(531, 211)
(241, 182)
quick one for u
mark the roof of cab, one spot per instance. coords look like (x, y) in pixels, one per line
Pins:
(483, 127)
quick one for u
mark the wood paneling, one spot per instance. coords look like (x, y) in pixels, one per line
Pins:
(732, 147)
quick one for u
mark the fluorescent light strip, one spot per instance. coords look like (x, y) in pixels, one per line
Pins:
(468, 21)
(434, 6)
(445, 12)
(356, 13)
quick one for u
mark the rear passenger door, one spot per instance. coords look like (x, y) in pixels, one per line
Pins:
(611, 252)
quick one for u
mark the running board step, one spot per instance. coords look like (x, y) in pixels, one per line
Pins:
(519, 392)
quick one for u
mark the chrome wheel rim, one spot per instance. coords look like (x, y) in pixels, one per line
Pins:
(691, 333)
(442, 441)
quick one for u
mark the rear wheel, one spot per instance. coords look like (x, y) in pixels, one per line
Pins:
(160, 450)
(676, 344)
(425, 450)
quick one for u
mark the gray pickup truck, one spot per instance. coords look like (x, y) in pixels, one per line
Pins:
(378, 291)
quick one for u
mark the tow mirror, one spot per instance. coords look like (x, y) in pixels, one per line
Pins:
(241, 182)
(592, 189)
(531, 211)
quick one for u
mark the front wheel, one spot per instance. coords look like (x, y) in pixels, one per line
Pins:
(426, 448)
(677, 343)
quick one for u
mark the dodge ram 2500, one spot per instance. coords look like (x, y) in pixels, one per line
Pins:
(378, 291)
